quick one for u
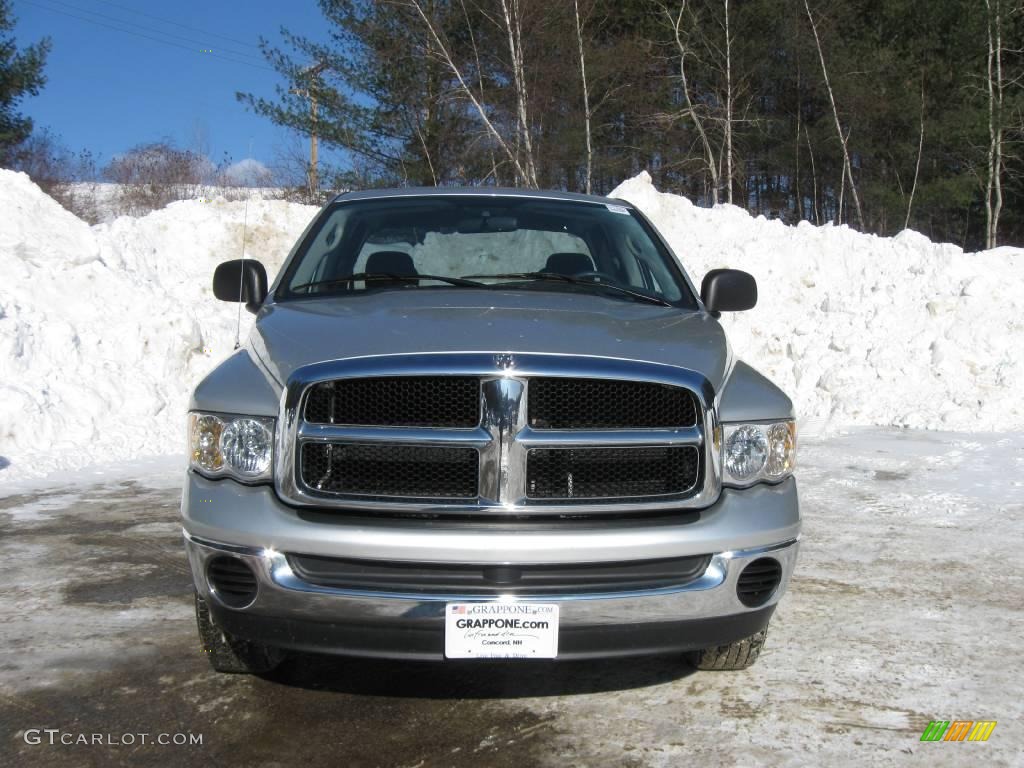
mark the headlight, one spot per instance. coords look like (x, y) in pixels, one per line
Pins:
(236, 446)
(753, 452)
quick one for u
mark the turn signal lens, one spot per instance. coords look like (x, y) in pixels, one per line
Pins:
(781, 449)
(205, 432)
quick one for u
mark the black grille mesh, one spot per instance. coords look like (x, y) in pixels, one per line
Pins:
(556, 403)
(396, 401)
(581, 473)
(491, 580)
(391, 470)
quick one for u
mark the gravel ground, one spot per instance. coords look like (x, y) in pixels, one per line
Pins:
(905, 607)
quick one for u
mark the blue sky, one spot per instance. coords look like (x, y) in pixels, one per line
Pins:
(140, 78)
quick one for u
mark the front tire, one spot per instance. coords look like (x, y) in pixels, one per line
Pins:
(231, 654)
(734, 656)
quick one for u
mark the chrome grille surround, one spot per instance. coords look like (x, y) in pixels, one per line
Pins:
(503, 437)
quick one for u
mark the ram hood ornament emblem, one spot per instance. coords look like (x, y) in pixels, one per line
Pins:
(504, 362)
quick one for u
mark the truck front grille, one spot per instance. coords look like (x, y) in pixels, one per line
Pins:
(396, 401)
(610, 473)
(497, 435)
(569, 403)
(391, 470)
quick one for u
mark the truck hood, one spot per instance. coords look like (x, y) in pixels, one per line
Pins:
(417, 321)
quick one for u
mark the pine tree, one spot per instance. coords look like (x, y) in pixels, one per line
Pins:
(21, 74)
(383, 93)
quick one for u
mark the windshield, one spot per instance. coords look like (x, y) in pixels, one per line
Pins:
(461, 242)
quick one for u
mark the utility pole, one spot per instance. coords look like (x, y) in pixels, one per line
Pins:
(309, 74)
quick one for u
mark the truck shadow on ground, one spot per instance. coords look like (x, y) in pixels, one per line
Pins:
(446, 680)
(476, 680)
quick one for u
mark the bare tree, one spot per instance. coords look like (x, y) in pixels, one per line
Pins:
(153, 175)
(843, 138)
(290, 167)
(994, 176)
(728, 108)
(586, 97)
(513, 15)
(917, 167)
(528, 173)
(814, 178)
(675, 20)
(68, 178)
(796, 150)
(480, 83)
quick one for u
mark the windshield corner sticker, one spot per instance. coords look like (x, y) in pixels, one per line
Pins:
(617, 208)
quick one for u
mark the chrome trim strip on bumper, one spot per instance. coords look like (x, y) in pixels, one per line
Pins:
(503, 437)
(282, 594)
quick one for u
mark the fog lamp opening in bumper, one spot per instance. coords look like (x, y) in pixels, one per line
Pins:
(232, 581)
(758, 581)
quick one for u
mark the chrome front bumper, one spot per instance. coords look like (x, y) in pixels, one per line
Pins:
(281, 593)
(248, 523)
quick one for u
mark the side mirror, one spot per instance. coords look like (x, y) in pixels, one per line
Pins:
(728, 290)
(241, 280)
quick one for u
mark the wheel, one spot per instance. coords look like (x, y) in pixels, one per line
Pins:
(231, 654)
(739, 655)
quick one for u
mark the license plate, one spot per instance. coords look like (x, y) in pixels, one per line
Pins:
(501, 631)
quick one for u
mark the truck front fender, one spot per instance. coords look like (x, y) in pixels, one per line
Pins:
(750, 396)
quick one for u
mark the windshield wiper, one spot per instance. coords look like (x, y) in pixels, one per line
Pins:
(371, 276)
(577, 281)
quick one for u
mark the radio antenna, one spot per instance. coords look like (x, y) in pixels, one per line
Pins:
(241, 272)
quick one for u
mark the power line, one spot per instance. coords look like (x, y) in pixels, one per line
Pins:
(151, 30)
(179, 24)
(147, 37)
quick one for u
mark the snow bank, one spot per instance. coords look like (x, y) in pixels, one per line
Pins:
(105, 330)
(860, 329)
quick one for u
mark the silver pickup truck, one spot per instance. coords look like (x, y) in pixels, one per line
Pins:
(476, 423)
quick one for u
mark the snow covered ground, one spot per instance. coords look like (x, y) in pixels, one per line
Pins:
(104, 330)
(904, 608)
